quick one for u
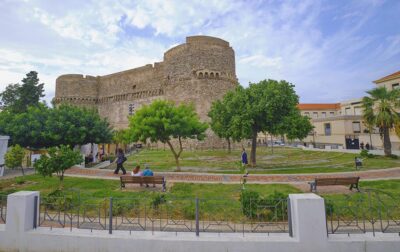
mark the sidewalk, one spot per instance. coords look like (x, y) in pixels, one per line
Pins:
(391, 173)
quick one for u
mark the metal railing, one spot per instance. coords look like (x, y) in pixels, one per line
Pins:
(3, 209)
(163, 213)
(368, 211)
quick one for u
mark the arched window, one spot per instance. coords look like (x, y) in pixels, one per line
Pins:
(200, 75)
(206, 75)
(212, 75)
(217, 75)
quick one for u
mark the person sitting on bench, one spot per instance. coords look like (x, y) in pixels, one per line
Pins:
(147, 173)
(136, 171)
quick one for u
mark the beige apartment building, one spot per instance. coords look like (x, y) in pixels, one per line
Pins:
(340, 125)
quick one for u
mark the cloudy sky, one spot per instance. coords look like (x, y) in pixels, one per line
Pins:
(330, 50)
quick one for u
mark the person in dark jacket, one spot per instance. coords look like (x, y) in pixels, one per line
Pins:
(120, 161)
(244, 158)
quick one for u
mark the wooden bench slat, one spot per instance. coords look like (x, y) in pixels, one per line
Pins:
(352, 181)
(143, 180)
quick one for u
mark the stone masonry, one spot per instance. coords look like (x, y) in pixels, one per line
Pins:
(198, 71)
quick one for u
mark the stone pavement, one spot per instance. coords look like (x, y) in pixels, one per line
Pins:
(391, 173)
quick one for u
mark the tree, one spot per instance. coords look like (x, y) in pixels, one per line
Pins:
(220, 119)
(163, 121)
(380, 110)
(18, 98)
(259, 108)
(14, 157)
(294, 126)
(71, 125)
(58, 161)
(120, 137)
(42, 127)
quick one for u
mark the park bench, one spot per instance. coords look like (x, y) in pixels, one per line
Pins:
(352, 181)
(147, 180)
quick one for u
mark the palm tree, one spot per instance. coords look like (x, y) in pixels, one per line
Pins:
(380, 110)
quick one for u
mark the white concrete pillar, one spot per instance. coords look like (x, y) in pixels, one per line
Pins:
(3, 150)
(308, 218)
(20, 212)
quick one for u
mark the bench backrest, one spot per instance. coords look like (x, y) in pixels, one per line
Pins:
(143, 179)
(337, 181)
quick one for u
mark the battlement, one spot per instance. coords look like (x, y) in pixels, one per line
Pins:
(206, 40)
(75, 77)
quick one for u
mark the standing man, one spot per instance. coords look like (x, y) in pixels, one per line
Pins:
(244, 158)
(120, 161)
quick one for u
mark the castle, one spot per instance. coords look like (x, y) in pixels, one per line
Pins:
(199, 71)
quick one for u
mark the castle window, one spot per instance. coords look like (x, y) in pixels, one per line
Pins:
(206, 75)
(131, 109)
(200, 75)
(217, 75)
(211, 75)
(134, 86)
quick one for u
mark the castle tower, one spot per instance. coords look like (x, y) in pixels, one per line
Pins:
(200, 71)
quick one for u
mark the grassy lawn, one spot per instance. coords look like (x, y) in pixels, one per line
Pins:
(100, 188)
(219, 200)
(283, 160)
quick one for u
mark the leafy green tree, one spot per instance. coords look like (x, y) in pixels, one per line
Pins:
(260, 108)
(294, 126)
(42, 127)
(18, 98)
(380, 110)
(71, 125)
(58, 161)
(163, 121)
(120, 137)
(220, 119)
(14, 157)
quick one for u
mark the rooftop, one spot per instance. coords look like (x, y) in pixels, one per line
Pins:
(318, 106)
(389, 77)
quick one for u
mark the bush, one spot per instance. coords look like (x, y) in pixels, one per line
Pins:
(14, 157)
(121, 207)
(250, 201)
(275, 206)
(57, 200)
(158, 200)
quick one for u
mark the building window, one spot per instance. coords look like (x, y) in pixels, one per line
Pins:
(356, 127)
(323, 114)
(307, 114)
(395, 86)
(357, 111)
(327, 127)
(315, 114)
(347, 111)
(331, 113)
(131, 109)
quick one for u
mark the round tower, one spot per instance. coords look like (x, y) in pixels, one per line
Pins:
(76, 89)
(199, 71)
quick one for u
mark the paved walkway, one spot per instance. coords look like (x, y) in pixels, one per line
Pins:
(391, 173)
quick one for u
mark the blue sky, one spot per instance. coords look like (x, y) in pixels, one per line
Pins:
(330, 50)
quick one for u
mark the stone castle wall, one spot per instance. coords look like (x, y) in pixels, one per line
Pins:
(199, 71)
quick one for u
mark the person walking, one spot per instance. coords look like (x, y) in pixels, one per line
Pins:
(244, 158)
(120, 161)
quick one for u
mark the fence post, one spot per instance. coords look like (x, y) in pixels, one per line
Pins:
(197, 217)
(110, 216)
(35, 212)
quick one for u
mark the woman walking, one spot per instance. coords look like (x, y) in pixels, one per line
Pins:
(120, 161)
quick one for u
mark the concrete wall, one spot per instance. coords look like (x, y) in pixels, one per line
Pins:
(308, 225)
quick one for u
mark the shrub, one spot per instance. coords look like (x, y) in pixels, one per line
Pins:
(250, 201)
(365, 154)
(57, 200)
(158, 200)
(13, 158)
(275, 206)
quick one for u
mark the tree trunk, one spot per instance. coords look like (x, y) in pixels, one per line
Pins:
(229, 145)
(176, 155)
(272, 145)
(387, 145)
(253, 149)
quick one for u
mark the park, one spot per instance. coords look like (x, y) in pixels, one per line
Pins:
(278, 131)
